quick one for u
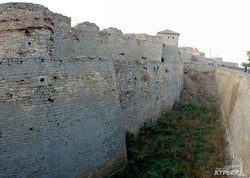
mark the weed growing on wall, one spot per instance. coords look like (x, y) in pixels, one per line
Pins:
(137, 61)
(187, 142)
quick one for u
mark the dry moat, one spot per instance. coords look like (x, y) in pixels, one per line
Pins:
(68, 95)
(188, 141)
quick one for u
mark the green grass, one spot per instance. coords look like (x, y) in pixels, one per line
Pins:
(187, 142)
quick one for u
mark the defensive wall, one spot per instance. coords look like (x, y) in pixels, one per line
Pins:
(197, 67)
(32, 30)
(68, 95)
(234, 91)
(59, 117)
(189, 54)
(233, 88)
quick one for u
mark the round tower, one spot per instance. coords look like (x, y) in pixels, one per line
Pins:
(27, 30)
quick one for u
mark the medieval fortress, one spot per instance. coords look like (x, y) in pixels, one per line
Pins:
(68, 95)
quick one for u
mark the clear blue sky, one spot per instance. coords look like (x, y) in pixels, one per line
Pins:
(220, 25)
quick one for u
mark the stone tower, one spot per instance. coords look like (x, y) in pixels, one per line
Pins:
(29, 30)
(169, 37)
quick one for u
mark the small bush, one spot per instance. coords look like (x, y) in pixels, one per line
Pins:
(205, 73)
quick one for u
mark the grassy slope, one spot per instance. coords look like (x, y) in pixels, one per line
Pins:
(187, 142)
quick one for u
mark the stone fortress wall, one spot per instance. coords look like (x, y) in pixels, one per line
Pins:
(59, 117)
(68, 95)
(234, 92)
(29, 30)
(193, 55)
(36, 31)
(233, 88)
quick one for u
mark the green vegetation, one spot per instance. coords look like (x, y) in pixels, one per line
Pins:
(187, 142)
(205, 73)
(247, 64)
(137, 61)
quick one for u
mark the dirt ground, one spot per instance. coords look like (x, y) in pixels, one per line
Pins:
(199, 85)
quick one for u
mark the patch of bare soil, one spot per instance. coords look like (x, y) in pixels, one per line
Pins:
(199, 85)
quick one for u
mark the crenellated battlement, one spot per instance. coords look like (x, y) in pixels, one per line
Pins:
(31, 30)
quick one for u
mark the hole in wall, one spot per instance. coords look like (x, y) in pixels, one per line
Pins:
(9, 95)
(27, 32)
(21, 62)
(42, 80)
(52, 39)
(57, 123)
(50, 52)
(60, 60)
(42, 60)
(31, 128)
(122, 54)
(162, 59)
(55, 77)
(143, 57)
(21, 54)
(29, 43)
(75, 37)
(51, 100)
(0, 134)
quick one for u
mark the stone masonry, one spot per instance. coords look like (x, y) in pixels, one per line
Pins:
(64, 111)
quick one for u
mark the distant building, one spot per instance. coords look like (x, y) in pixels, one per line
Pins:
(169, 37)
(218, 60)
(191, 54)
(196, 52)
